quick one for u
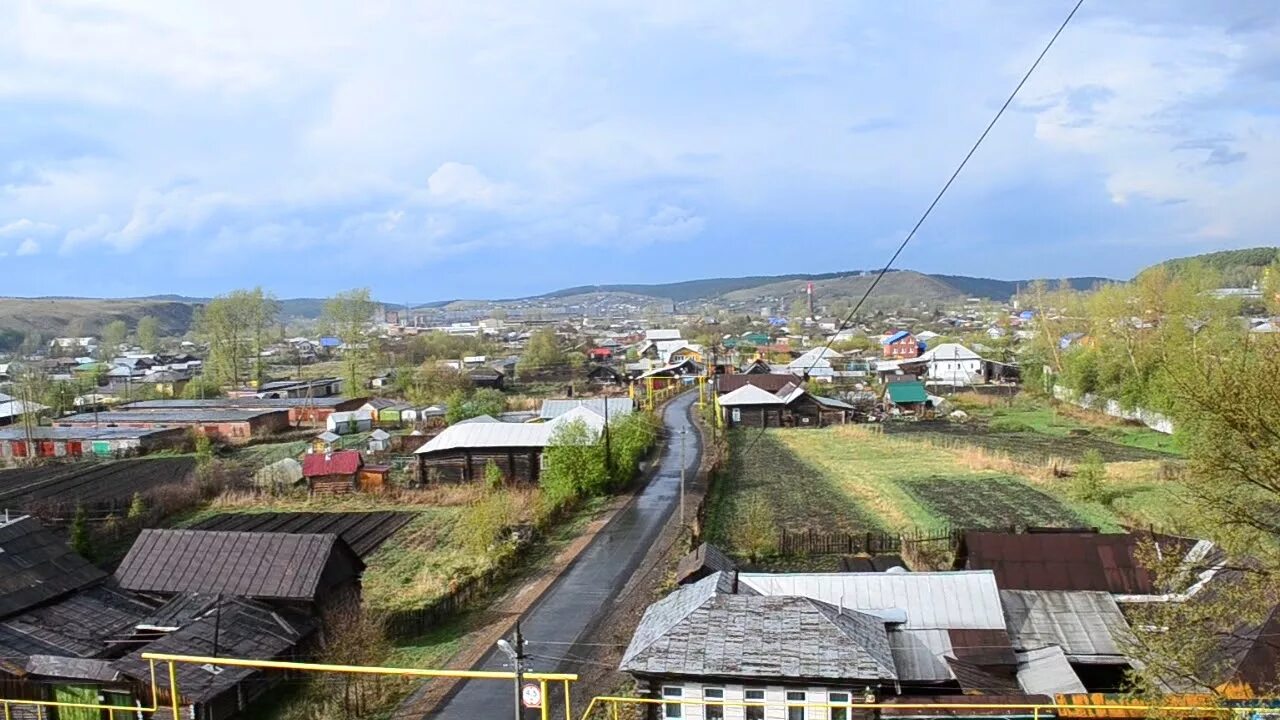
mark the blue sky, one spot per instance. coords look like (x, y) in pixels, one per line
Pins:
(433, 150)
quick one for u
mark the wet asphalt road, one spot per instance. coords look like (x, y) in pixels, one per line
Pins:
(581, 595)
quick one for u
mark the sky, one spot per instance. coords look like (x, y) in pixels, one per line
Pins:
(432, 150)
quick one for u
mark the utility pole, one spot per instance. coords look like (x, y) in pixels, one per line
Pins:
(608, 465)
(516, 656)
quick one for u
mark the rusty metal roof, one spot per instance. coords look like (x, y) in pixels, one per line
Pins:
(1058, 561)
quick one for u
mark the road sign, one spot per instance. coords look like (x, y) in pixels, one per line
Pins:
(531, 695)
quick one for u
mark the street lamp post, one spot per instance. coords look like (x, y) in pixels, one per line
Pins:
(516, 656)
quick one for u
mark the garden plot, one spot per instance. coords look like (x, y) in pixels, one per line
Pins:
(988, 503)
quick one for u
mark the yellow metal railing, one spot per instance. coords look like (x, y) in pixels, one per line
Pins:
(609, 706)
(175, 700)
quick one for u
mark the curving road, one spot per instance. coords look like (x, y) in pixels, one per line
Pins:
(581, 595)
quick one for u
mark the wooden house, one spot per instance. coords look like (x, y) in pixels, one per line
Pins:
(486, 377)
(342, 472)
(309, 572)
(463, 451)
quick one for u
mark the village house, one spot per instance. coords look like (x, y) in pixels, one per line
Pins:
(462, 452)
(303, 572)
(347, 423)
(900, 346)
(790, 406)
(342, 472)
(826, 640)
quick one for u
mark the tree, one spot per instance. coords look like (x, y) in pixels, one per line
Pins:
(113, 336)
(542, 354)
(149, 334)
(573, 467)
(486, 401)
(79, 539)
(137, 507)
(349, 317)
(202, 387)
(493, 476)
(1090, 477)
(755, 529)
(235, 328)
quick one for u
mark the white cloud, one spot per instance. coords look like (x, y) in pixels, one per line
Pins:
(28, 247)
(455, 182)
(24, 227)
(670, 223)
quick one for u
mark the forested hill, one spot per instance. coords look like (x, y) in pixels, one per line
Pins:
(1238, 267)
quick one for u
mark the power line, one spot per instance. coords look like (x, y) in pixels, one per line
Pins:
(937, 198)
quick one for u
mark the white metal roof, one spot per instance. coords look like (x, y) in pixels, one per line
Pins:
(555, 407)
(1046, 671)
(662, 334)
(585, 415)
(957, 600)
(488, 435)
(750, 395)
(948, 351)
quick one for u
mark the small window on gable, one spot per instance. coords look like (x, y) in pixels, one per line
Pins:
(672, 710)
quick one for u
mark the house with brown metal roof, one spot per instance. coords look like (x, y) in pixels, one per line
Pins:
(1062, 560)
(292, 570)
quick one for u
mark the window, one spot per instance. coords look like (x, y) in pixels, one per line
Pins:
(795, 711)
(737, 414)
(754, 712)
(836, 698)
(713, 712)
(672, 710)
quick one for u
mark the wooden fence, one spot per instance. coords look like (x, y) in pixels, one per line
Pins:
(811, 542)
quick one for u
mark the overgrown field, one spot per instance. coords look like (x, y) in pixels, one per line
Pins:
(1041, 429)
(858, 478)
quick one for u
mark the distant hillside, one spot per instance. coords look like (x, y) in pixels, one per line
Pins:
(689, 289)
(1238, 267)
(61, 316)
(897, 286)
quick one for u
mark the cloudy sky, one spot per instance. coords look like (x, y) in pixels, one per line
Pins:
(433, 150)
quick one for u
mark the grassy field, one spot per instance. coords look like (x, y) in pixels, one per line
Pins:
(857, 478)
(1025, 416)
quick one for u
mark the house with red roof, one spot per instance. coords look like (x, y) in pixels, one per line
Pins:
(342, 472)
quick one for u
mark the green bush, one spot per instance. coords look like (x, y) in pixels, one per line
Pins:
(482, 524)
(1089, 482)
(755, 529)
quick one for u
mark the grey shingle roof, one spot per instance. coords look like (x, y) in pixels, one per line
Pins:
(36, 566)
(77, 625)
(701, 630)
(283, 566)
(1085, 624)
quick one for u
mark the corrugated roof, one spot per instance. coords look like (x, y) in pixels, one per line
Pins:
(907, 392)
(593, 421)
(555, 407)
(896, 337)
(750, 395)
(1059, 561)
(949, 351)
(704, 632)
(177, 416)
(1085, 624)
(342, 462)
(37, 566)
(488, 435)
(770, 382)
(282, 566)
(942, 600)
(1046, 671)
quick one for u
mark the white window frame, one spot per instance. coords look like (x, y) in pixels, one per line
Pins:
(747, 697)
(736, 414)
(712, 693)
(842, 701)
(790, 696)
(672, 711)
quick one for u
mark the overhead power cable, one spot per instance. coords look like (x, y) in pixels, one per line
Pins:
(937, 198)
